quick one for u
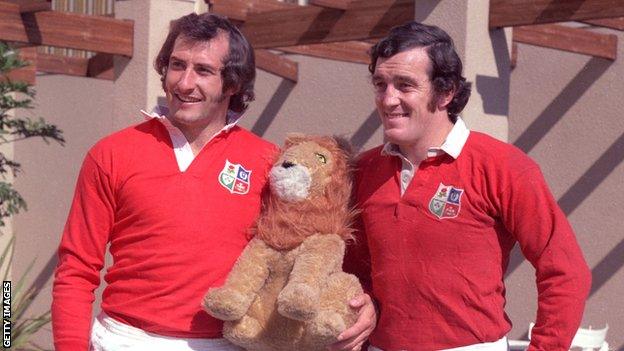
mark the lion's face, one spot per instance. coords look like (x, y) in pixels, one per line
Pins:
(301, 172)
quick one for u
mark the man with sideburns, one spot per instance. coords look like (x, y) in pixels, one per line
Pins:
(441, 209)
(173, 196)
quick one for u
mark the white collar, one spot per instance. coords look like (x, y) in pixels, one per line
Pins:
(181, 147)
(160, 112)
(453, 145)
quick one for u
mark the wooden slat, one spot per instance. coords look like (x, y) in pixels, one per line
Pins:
(99, 66)
(277, 65)
(506, 13)
(72, 66)
(332, 4)
(22, 6)
(239, 9)
(69, 30)
(613, 23)
(348, 51)
(568, 39)
(25, 74)
(312, 25)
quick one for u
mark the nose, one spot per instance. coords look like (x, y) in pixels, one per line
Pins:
(389, 97)
(287, 164)
(186, 81)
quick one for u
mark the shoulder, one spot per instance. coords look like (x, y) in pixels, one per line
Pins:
(251, 139)
(253, 145)
(491, 152)
(368, 157)
(127, 141)
(132, 135)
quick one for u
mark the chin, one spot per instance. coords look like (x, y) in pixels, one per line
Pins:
(395, 137)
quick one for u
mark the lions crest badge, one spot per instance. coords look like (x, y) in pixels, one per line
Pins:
(235, 178)
(446, 202)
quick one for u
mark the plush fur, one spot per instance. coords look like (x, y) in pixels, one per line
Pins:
(287, 291)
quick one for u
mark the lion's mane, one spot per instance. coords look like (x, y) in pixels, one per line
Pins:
(284, 225)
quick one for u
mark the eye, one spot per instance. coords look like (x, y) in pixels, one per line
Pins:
(205, 71)
(175, 65)
(321, 158)
(379, 85)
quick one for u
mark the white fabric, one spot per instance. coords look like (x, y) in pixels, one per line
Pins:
(499, 345)
(108, 334)
(453, 145)
(181, 147)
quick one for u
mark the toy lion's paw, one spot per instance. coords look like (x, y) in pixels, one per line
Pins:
(326, 327)
(244, 332)
(226, 303)
(298, 301)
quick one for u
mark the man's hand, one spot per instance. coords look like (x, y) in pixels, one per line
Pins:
(353, 338)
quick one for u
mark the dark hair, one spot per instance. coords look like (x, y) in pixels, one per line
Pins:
(239, 71)
(446, 67)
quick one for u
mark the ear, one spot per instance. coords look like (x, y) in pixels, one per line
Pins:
(294, 139)
(232, 90)
(445, 98)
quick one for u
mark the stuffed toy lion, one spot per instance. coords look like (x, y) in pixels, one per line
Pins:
(287, 291)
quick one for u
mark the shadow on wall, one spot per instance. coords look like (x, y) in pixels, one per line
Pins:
(272, 108)
(365, 131)
(591, 72)
(44, 275)
(495, 101)
(554, 112)
(593, 176)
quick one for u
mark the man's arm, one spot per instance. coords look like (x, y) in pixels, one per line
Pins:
(546, 239)
(81, 257)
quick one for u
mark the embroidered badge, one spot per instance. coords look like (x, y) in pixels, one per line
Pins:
(235, 178)
(446, 202)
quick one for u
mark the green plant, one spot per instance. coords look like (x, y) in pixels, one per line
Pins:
(18, 95)
(22, 326)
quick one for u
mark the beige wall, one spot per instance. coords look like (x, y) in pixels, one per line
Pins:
(82, 108)
(335, 97)
(566, 113)
(330, 98)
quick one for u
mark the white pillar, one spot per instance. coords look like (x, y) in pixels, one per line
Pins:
(138, 85)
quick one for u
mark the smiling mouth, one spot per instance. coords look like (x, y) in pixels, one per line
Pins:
(187, 99)
(396, 115)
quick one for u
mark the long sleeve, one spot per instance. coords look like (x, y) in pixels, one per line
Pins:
(546, 239)
(81, 257)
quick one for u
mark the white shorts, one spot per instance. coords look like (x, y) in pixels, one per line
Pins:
(108, 334)
(500, 345)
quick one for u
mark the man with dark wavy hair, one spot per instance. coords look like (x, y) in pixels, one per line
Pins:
(442, 207)
(173, 196)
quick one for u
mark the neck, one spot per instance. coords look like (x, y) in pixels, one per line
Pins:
(199, 135)
(433, 135)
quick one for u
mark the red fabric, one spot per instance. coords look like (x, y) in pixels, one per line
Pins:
(439, 282)
(172, 235)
